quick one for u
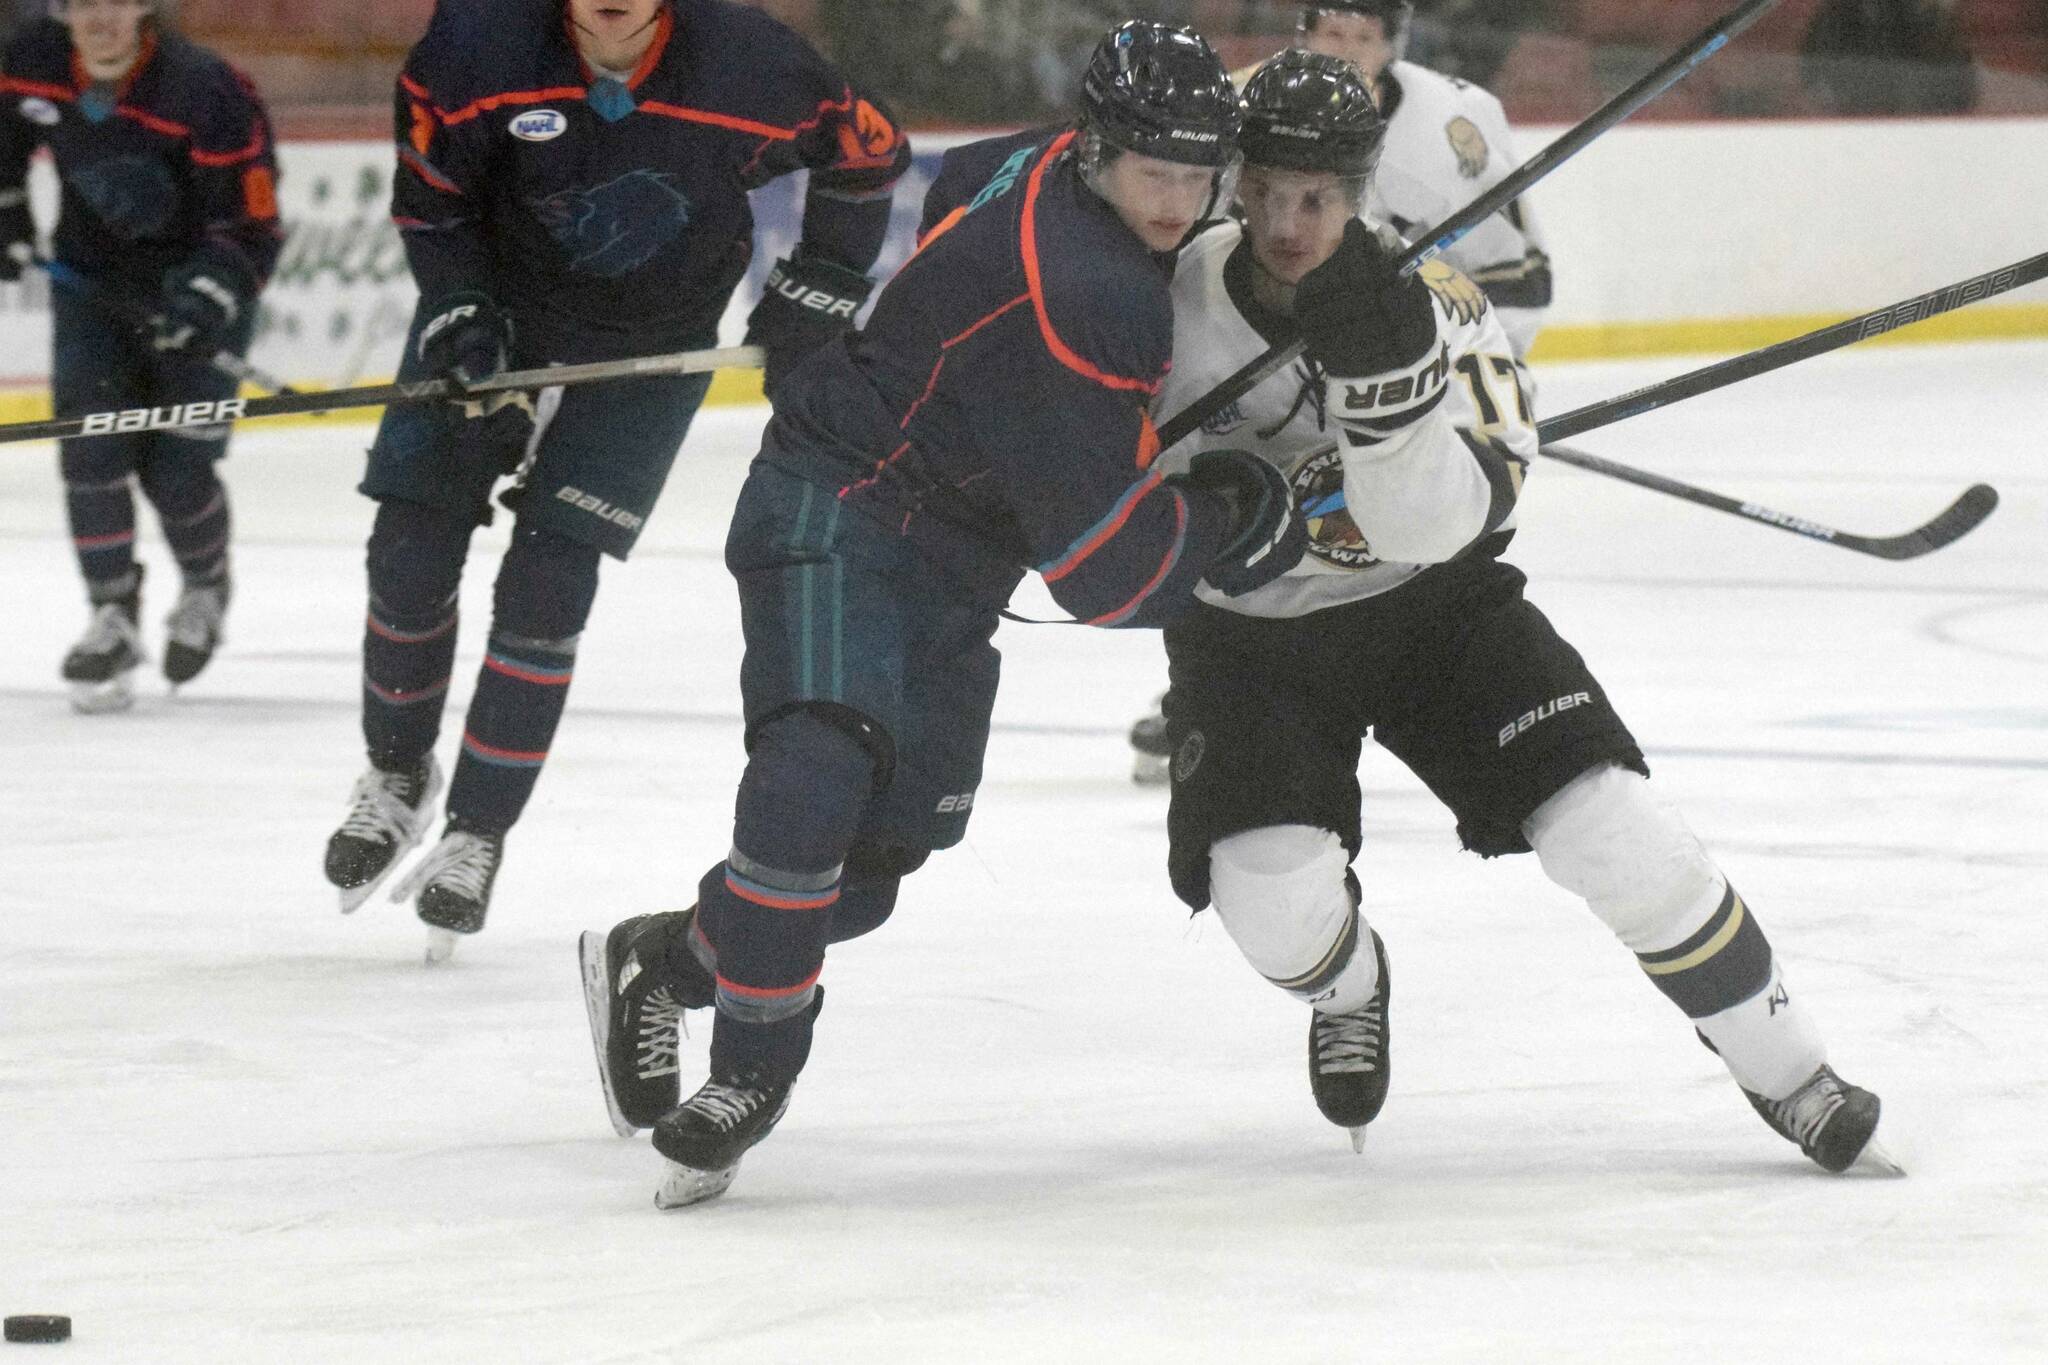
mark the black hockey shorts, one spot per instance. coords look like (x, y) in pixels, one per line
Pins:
(1454, 673)
(601, 453)
(840, 611)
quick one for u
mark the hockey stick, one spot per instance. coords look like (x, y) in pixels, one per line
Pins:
(1768, 358)
(180, 415)
(227, 362)
(1959, 519)
(1672, 70)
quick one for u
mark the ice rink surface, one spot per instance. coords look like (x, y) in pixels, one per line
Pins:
(1049, 1117)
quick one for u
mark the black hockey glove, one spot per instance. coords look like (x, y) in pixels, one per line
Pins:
(466, 341)
(204, 302)
(1360, 318)
(1268, 536)
(807, 302)
(17, 234)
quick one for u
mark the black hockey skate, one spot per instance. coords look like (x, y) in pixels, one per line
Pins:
(98, 666)
(637, 981)
(705, 1136)
(387, 815)
(453, 886)
(1349, 1057)
(1151, 755)
(194, 627)
(1833, 1122)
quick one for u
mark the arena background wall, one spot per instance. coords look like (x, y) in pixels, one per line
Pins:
(1668, 238)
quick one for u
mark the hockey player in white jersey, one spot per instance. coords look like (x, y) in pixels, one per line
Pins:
(1448, 142)
(1404, 434)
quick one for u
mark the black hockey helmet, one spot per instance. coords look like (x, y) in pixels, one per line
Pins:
(1304, 111)
(1160, 92)
(1397, 15)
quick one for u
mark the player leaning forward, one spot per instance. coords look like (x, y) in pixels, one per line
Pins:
(572, 186)
(991, 418)
(1403, 434)
(169, 209)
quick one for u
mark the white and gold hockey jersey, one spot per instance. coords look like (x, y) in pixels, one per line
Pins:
(1384, 497)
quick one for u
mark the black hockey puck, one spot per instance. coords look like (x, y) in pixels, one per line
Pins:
(39, 1327)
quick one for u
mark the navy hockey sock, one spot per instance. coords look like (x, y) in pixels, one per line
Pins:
(544, 594)
(415, 564)
(768, 910)
(102, 515)
(199, 535)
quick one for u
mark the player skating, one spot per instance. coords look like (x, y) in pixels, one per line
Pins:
(1447, 142)
(1403, 433)
(990, 419)
(169, 208)
(572, 186)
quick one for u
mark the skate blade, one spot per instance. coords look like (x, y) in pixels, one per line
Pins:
(682, 1186)
(1358, 1138)
(1874, 1160)
(440, 945)
(102, 698)
(597, 1005)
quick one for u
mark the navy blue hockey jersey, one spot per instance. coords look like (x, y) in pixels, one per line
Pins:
(610, 216)
(994, 408)
(177, 158)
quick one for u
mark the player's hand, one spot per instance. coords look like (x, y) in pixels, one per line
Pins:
(1268, 536)
(17, 235)
(1358, 316)
(807, 302)
(203, 304)
(467, 340)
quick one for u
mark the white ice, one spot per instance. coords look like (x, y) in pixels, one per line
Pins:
(1049, 1117)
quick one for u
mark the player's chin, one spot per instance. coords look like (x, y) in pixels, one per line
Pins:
(1164, 234)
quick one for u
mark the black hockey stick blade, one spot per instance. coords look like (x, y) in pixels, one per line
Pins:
(1667, 73)
(1748, 365)
(1960, 518)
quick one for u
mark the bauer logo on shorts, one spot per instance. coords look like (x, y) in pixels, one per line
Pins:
(1543, 713)
(539, 125)
(599, 508)
(40, 111)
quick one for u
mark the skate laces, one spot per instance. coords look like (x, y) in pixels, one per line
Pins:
(1804, 1112)
(660, 1022)
(378, 809)
(108, 630)
(1349, 1042)
(461, 862)
(727, 1106)
(195, 619)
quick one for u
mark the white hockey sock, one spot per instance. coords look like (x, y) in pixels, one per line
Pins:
(1281, 894)
(1769, 1042)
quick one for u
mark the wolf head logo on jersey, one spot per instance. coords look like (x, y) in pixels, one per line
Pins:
(619, 226)
(132, 194)
(1332, 535)
(1470, 145)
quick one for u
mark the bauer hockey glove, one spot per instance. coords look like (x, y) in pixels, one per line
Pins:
(466, 341)
(204, 302)
(1268, 537)
(1358, 316)
(807, 302)
(17, 234)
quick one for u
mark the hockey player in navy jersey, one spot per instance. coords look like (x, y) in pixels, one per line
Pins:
(572, 186)
(1404, 432)
(169, 208)
(989, 420)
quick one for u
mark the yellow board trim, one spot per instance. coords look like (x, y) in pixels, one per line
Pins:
(1707, 336)
(1559, 344)
(1706, 950)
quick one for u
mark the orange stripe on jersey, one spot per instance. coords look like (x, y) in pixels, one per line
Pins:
(152, 122)
(1061, 352)
(940, 229)
(738, 125)
(490, 102)
(248, 153)
(414, 88)
(1148, 441)
(15, 85)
